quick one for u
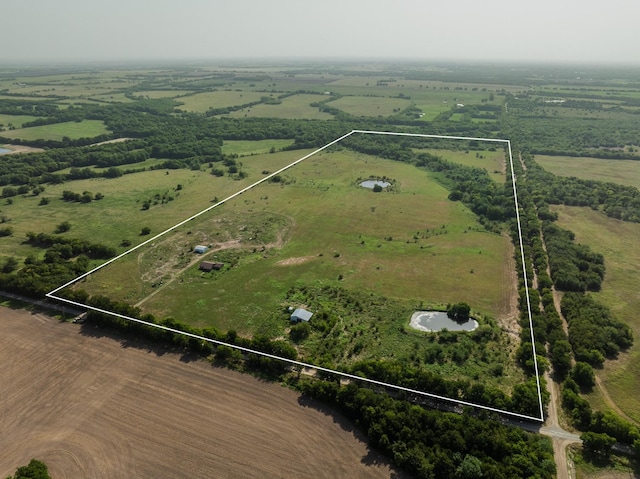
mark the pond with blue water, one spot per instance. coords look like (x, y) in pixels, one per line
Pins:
(371, 183)
(433, 321)
(4, 151)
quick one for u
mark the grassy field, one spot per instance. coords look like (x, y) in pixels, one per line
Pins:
(296, 106)
(255, 147)
(119, 214)
(15, 120)
(624, 172)
(318, 228)
(619, 242)
(201, 102)
(57, 131)
(406, 236)
(154, 94)
(370, 105)
(492, 161)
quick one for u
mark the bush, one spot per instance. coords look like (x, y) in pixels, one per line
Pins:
(583, 375)
(300, 332)
(63, 227)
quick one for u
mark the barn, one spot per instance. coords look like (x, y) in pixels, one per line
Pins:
(301, 315)
(206, 266)
(210, 265)
(200, 249)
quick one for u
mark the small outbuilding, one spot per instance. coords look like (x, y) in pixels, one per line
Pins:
(200, 249)
(206, 266)
(210, 265)
(301, 315)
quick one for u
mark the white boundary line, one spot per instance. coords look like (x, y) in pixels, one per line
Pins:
(52, 295)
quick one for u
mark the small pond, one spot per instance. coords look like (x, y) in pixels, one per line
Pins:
(4, 151)
(371, 183)
(433, 321)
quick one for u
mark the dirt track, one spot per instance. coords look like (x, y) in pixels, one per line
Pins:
(91, 406)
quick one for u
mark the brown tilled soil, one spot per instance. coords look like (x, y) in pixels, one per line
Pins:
(91, 405)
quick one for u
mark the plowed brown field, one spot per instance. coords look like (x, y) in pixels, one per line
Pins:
(91, 406)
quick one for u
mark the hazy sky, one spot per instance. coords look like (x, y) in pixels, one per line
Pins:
(483, 30)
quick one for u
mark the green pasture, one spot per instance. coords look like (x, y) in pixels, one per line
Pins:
(608, 113)
(619, 242)
(201, 102)
(370, 105)
(110, 97)
(148, 164)
(319, 227)
(296, 106)
(412, 243)
(57, 131)
(155, 94)
(624, 172)
(253, 147)
(493, 162)
(119, 215)
(15, 120)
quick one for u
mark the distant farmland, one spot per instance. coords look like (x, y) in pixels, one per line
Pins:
(57, 131)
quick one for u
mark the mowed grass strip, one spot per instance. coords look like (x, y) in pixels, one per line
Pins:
(619, 242)
(624, 172)
(57, 131)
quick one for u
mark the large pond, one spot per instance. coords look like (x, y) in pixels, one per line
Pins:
(371, 183)
(433, 321)
(4, 151)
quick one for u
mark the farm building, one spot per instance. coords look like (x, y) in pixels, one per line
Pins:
(300, 315)
(200, 249)
(210, 265)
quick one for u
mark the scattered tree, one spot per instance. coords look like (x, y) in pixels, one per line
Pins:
(63, 227)
(459, 312)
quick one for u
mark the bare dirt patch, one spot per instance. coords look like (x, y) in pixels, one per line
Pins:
(117, 140)
(294, 261)
(508, 306)
(21, 149)
(89, 405)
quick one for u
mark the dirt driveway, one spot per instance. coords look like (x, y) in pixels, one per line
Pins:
(90, 405)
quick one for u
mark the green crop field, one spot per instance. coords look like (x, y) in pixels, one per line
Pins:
(619, 242)
(57, 131)
(624, 172)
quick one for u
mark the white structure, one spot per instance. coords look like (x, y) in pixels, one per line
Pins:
(300, 315)
(200, 249)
